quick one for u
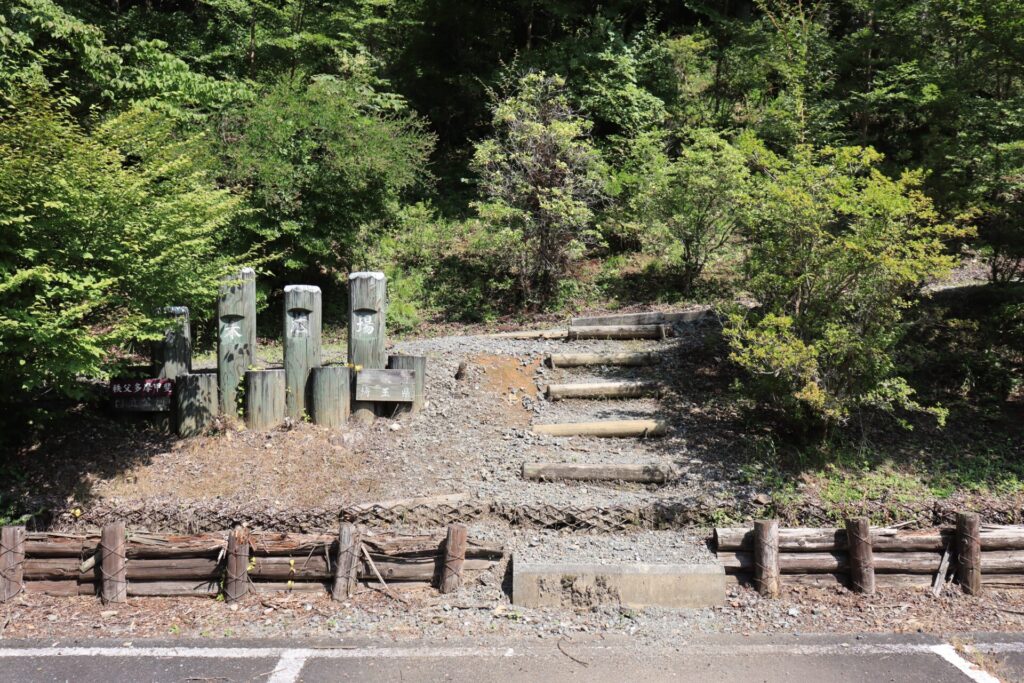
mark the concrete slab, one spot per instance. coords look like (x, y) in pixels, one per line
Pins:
(630, 585)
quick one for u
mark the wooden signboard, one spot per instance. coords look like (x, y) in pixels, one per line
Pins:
(397, 386)
(142, 395)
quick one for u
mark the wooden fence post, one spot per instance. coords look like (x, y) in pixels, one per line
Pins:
(264, 398)
(302, 322)
(454, 558)
(331, 395)
(346, 562)
(236, 581)
(862, 562)
(968, 539)
(196, 403)
(12, 562)
(172, 356)
(367, 315)
(236, 336)
(418, 364)
(113, 571)
(766, 557)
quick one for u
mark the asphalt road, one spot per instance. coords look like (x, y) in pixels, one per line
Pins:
(786, 659)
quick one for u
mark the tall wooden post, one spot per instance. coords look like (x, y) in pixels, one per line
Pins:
(12, 562)
(264, 398)
(331, 395)
(862, 561)
(172, 356)
(454, 558)
(302, 322)
(196, 403)
(346, 562)
(113, 571)
(367, 314)
(236, 336)
(766, 557)
(968, 540)
(236, 581)
(417, 364)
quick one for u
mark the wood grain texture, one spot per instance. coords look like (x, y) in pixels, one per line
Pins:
(608, 428)
(968, 538)
(620, 332)
(331, 395)
(236, 336)
(625, 389)
(367, 313)
(862, 563)
(172, 355)
(640, 473)
(302, 316)
(12, 561)
(418, 365)
(236, 576)
(454, 558)
(196, 403)
(264, 398)
(766, 557)
(346, 562)
(385, 385)
(113, 563)
(574, 360)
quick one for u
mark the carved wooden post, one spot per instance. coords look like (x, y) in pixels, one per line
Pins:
(331, 394)
(766, 557)
(236, 581)
(12, 562)
(302, 320)
(197, 405)
(113, 572)
(346, 562)
(968, 540)
(172, 356)
(862, 562)
(418, 364)
(236, 336)
(264, 398)
(367, 313)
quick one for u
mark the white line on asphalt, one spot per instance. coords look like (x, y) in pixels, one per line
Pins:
(947, 652)
(258, 652)
(289, 666)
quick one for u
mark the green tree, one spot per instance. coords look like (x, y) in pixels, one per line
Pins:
(540, 177)
(837, 250)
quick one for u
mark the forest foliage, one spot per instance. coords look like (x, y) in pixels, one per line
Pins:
(822, 159)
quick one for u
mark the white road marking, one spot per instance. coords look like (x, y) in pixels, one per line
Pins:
(257, 652)
(289, 666)
(976, 674)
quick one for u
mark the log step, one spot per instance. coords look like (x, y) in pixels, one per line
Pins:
(574, 360)
(556, 392)
(605, 428)
(620, 332)
(644, 474)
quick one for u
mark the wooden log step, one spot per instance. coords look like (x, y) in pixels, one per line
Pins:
(823, 563)
(604, 390)
(640, 473)
(529, 334)
(645, 318)
(574, 360)
(620, 332)
(882, 539)
(607, 428)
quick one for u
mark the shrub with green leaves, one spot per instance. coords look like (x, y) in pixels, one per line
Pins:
(540, 177)
(100, 230)
(837, 251)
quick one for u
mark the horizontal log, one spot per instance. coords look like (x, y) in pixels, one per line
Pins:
(828, 580)
(289, 587)
(316, 569)
(273, 544)
(557, 392)
(575, 360)
(171, 589)
(529, 334)
(55, 569)
(619, 332)
(882, 539)
(1002, 562)
(646, 318)
(645, 474)
(47, 545)
(60, 588)
(820, 563)
(607, 428)
(1002, 580)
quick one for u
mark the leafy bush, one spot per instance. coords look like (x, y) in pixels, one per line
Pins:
(836, 251)
(100, 230)
(540, 178)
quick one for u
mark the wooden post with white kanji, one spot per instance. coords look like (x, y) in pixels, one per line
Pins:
(236, 335)
(367, 312)
(302, 322)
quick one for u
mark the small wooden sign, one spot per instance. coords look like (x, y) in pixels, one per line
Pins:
(398, 386)
(142, 395)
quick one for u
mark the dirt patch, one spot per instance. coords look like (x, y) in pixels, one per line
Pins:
(512, 379)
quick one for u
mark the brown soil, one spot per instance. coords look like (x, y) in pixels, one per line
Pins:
(506, 376)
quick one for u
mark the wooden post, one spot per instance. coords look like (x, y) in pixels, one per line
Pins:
(236, 336)
(113, 574)
(331, 395)
(417, 364)
(766, 557)
(367, 314)
(12, 562)
(968, 539)
(264, 398)
(346, 562)
(236, 581)
(862, 562)
(302, 323)
(454, 557)
(172, 356)
(196, 403)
